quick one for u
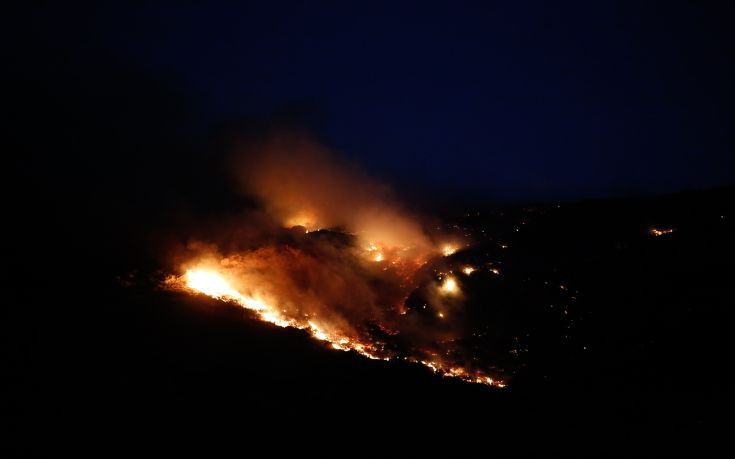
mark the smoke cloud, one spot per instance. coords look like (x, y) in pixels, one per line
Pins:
(302, 183)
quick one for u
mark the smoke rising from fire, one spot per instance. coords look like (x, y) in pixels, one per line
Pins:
(331, 252)
(304, 184)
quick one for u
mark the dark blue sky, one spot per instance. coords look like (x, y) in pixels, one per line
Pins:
(515, 100)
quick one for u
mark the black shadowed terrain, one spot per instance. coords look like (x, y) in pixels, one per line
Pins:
(604, 328)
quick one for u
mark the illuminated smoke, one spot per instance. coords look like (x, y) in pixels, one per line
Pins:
(303, 184)
(344, 273)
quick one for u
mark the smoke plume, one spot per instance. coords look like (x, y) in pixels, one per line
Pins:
(302, 183)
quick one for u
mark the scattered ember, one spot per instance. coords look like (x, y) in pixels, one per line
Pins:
(660, 231)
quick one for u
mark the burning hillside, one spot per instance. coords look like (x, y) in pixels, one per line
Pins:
(333, 254)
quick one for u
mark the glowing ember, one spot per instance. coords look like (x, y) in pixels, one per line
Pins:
(660, 231)
(468, 270)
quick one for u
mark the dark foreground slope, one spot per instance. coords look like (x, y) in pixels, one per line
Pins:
(621, 338)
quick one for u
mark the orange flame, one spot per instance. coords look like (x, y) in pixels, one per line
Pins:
(214, 284)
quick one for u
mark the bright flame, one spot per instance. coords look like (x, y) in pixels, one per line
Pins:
(210, 283)
(448, 249)
(214, 284)
(449, 286)
(468, 270)
(374, 249)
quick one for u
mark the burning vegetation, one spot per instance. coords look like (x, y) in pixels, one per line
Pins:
(334, 254)
(662, 231)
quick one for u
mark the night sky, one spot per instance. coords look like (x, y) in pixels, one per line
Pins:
(509, 101)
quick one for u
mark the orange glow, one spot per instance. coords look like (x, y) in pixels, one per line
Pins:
(468, 270)
(450, 286)
(660, 231)
(375, 253)
(304, 219)
(215, 284)
(448, 249)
